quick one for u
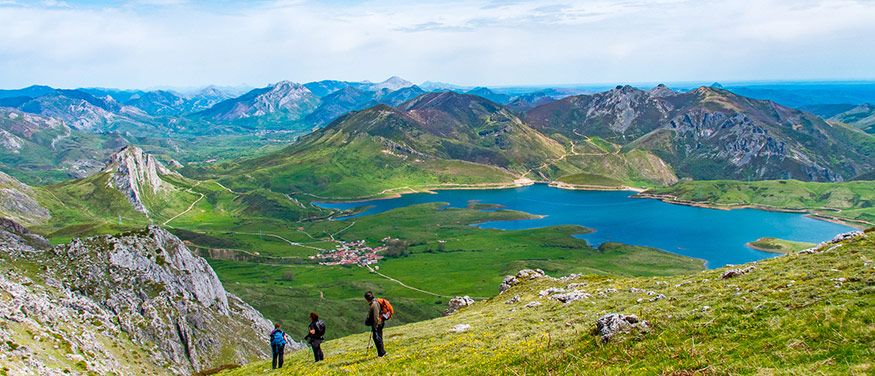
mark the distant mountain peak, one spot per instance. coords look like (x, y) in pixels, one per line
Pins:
(661, 91)
(392, 83)
(286, 85)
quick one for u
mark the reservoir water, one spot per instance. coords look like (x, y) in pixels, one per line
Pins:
(717, 236)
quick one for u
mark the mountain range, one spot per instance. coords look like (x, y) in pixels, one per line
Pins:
(711, 133)
(48, 135)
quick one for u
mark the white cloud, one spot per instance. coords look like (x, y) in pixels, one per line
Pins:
(144, 43)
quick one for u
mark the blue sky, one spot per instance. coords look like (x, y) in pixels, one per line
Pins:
(152, 43)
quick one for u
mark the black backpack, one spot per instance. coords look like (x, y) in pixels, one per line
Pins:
(320, 328)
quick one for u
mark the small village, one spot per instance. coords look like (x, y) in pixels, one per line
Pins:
(351, 253)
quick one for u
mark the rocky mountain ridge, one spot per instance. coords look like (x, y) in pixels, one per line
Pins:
(133, 303)
(712, 133)
(861, 116)
(291, 100)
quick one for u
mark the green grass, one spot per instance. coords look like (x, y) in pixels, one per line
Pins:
(358, 169)
(789, 315)
(473, 262)
(775, 245)
(591, 179)
(852, 201)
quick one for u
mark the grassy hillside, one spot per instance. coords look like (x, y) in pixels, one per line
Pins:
(597, 162)
(435, 143)
(775, 245)
(471, 261)
(797, 314)
(852, 201)
(346, 161)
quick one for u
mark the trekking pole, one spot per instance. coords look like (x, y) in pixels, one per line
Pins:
(368, 349)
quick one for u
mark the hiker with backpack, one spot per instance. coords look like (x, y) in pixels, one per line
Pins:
(316, 335)
(380, 310)
(278, 341)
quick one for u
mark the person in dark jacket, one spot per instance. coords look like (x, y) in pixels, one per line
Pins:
(315, 336)
(375, 321)
(278, 341)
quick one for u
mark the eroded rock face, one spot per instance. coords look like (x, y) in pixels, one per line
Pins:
(146, 285)
(134, 173)
(17, 202)
(613, 323)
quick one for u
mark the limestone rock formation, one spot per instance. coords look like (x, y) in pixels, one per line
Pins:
(136, 174)
(144, 291)
(613, 323)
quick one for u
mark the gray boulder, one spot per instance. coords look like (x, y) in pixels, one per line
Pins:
(612, 324)
(731, 273)
(522, 275)
(457, 303)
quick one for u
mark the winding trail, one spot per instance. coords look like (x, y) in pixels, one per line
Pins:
(281, 238)
(224, 187)
(339, 231)
(405, 285)
(189, 207)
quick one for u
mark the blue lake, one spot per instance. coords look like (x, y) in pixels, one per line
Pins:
(717, 236)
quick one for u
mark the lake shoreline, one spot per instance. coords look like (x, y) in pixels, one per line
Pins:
(671, 199)
(751, 245)
(639, 193)
(611, 213)
(482, 186)
(430, 190)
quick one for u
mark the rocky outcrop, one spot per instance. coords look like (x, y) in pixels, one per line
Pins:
(146, 288)
(521, 276)
(135, 174)
(612, 324)
(731, 273)
(18, 203)
(836, 241)
(458, 303)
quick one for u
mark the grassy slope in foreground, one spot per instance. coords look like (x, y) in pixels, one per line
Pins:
(796, 314)
(473, 262)
(852, 201)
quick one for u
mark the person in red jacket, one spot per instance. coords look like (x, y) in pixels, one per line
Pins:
(375, 321)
